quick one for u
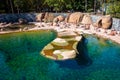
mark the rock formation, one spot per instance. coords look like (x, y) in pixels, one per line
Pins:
(40, 17)
(67, 17)
(107, 22)
(48, 17)
(63, 47)
(104, 22)
(86, 20)
(60, 18)
(75, 17)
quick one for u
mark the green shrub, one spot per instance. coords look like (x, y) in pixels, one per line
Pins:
(114, 9)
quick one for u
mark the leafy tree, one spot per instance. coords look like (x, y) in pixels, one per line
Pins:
(18, 4)
(114, 9)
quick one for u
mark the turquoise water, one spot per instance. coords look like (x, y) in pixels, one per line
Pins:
(20, 59)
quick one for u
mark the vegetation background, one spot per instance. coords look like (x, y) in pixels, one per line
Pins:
(111, 7)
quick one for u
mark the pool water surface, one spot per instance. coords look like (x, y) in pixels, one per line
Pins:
(20, 59)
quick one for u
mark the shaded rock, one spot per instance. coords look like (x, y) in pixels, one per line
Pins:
(5, 25)
(75, 17)
(26, 28)
(87, 20)
(40, 17)
(67, 17)
(22, 21)
(107, 22)
(49, 17)
(104, 22)
(55, 20)
(59, 18)
(83, 57)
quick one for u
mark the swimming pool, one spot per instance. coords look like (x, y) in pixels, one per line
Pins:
(20, 58)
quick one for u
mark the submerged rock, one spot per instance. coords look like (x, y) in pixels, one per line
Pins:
(60, 42)
(66, 54)
(62, 48)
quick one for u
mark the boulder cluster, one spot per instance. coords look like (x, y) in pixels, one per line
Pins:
(104, 22)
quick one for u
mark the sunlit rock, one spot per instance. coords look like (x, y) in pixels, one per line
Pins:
(67, 33)
(60, 42)
(104, 22)
(40, 17)
(59, 18)
(75, 17)
(63, 47)
(66, 54)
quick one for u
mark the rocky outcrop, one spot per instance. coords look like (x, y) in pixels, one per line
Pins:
(59, 18)
(107, 22)
(104, 22)
(75, 17)
(67, 17)
(87, 20)
(63, 47)
(40, 17)
(48, 17)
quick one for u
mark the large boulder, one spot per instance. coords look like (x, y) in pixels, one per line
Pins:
(67, 17)
(49, 17)
(87, 20)
(59, 18)
(107, 22)
(40, 17)
(104, 22)
(75, 17)
(62, 48)
(98, 23)
(55, 20)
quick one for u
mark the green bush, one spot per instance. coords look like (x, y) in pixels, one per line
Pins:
(114, 9)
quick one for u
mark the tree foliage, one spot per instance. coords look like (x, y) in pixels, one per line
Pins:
(17, 6)
(114, 9)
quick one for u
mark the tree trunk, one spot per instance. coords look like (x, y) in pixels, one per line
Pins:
(95, 6)
(18, 10)
(11, 5)
(85, 5)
